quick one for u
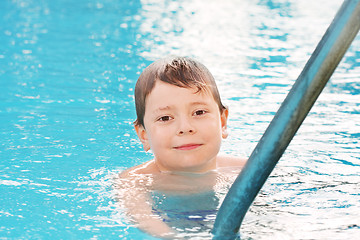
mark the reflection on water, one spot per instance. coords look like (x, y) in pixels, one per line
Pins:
(67, 74)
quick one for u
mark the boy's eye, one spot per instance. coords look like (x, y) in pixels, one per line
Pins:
(199, 112)
(164, 118)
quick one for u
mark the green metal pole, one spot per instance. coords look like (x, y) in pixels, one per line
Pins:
(288, 119)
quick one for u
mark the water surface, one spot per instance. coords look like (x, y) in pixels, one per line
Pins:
(67, 74)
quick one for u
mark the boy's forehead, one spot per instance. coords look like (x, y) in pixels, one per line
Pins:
(164, 94)
(162, 88)
(195, 88)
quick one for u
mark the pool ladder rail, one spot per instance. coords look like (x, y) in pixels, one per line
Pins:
(288, 119)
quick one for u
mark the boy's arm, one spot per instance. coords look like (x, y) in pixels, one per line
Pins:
(133, 196)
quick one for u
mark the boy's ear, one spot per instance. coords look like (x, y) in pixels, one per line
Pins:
(141, 132)
(224, 118)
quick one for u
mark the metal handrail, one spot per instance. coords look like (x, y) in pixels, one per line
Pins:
(288, 119)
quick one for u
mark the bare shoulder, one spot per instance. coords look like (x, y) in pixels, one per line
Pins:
(230, 161)
(144, 168)
(135, 178)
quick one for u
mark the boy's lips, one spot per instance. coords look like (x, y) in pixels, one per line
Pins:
(189, 146)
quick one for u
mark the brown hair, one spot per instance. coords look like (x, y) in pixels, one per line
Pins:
(179, 71)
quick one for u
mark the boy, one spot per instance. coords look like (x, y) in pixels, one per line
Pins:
(181, 118)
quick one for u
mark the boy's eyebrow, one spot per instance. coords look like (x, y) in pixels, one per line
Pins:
(165, 108)
(192, 103)
(159, 109)
(199, 103)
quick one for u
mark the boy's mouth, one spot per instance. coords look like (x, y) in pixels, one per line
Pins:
(190, 146)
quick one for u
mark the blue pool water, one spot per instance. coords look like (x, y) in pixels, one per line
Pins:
(67, 73)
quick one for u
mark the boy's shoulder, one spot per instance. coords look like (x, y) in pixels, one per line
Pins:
(230, 161)
(148, 167)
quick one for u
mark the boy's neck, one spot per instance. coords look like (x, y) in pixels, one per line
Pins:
(210, 166)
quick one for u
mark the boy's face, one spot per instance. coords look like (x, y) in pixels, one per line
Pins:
(183, 128)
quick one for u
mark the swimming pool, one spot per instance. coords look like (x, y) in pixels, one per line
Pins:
(67, 74)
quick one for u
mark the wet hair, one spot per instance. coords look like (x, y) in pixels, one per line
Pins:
(179, 71)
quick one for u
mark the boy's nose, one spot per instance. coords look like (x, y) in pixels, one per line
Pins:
(186, 128)
(181, 132)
